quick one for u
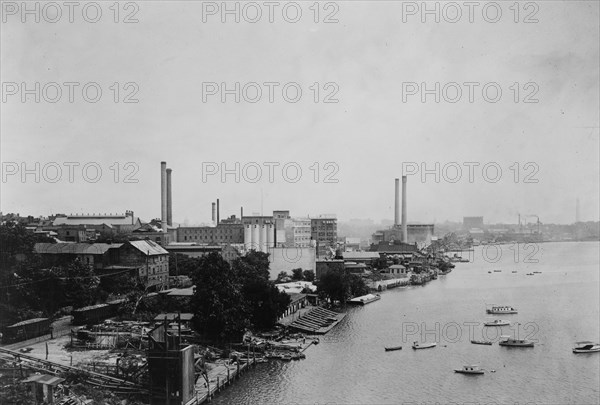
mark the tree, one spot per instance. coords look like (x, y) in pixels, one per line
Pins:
(297, 274)
(81, 284)
(339, 285)
(308, 275)
(218, 305)
(282, 277)
(182, 265)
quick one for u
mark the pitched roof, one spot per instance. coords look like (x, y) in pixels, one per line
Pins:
(148, 247)
(74, 248)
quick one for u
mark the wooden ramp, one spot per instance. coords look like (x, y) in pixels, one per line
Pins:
(317, 321)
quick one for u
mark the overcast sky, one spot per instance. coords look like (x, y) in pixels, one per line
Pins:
(375, 64)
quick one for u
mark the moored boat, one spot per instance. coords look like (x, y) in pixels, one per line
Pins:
(365, 299)
(417, 345)
(510, 342)
(392, 348)
(497, 322)
(472, 369)
(501, 309)
(481, 342)
(586, 347)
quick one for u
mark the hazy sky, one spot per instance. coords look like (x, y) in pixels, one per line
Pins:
(375, 64)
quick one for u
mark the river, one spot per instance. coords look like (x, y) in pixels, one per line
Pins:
(556, 307)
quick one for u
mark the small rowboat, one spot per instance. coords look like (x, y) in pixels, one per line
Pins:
(390, 349)
(469, 370)
(423, 346)
(481, 342)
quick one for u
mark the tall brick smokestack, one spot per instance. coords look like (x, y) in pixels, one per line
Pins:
(218, 212)
(214, 213)
(404, 224)
(397, 203)
(169, 199)
(163, 194)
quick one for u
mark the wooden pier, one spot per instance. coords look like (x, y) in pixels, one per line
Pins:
(317, 321)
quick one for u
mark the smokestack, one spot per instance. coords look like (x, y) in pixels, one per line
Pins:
(214, 212)
(397, 203)
(241, 212)
(169, 199)
(163, 194)
(404, 224)
(218, 212)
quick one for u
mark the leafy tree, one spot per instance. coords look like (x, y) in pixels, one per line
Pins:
(282, 277)
(182, 265)
(339, 285)
(16, 394)
(81, 284)
(219, 309)
(297, 274)
(308, 275)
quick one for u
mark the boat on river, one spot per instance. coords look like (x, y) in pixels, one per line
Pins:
(481, 342)
(510, 342)
(501, 309)
(365, 299)
(586, 347)
(417, 345)
(497, 322)
(472, 369)
(392, 348)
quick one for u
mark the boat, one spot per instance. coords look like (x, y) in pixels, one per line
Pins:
(286, 357)
(537, 272)
(392, 348)
(529, 274)
(514, 271)
(586, 347)
(469, 370)
(510, 342)
(497, 271)
(490, 272)
(501, 309)
(364, 300)
(497, 322)
(481, 342)
(423, 346)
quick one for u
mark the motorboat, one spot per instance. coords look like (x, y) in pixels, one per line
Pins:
(390, 349)
(514, 271)
(586, 347)
(537, 272)
(481, 342)
(497, 322)
(497, 271)
(501, 309)
(510, 342)
(363, 300)
(286, 357)
(475, 370)
(417, 345)
(529, 274)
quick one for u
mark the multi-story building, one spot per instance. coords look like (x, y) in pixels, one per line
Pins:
(324, 233)
(416, 233)
(107, 224)
(301, 232)
(144, 258)
(472, 222)
(223, 233)
(150, 260)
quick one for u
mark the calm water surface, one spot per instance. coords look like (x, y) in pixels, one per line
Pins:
(556, 308)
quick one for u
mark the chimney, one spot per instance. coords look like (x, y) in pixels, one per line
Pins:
(169, 199)
(404, 224)
(241, 212)
(397, 203)
(214, 212)
(163, 194)
(218, 212)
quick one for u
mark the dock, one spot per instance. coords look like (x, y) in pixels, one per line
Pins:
(317, 321)
(219, 377)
